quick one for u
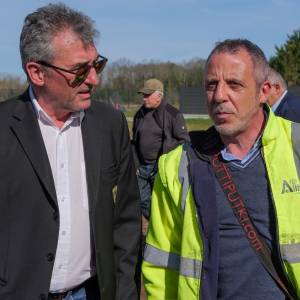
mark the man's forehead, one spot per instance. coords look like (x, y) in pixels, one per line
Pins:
(65, 37)
(69, 46)
(231, 63)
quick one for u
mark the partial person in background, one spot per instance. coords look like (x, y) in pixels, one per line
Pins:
(158, 128)
(283, 103)
(70, 213)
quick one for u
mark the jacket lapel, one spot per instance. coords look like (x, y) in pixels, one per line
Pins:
(92, 137)
(27, 130)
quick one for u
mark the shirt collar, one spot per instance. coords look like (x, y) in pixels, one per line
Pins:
(39, 111)
(253, 150)
(159, 107)
(274, 107)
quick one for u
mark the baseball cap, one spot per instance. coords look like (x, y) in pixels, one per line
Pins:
(151, 86)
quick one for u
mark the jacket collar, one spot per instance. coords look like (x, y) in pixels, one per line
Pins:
(272, 129)
(210, 140)
(26, 128)
(91, 128)
(160, 108)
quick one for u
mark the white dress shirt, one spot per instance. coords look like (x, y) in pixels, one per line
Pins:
(75, 257)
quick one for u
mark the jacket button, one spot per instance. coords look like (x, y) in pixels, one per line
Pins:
(50, 256)
(42, 297)
(55, 215)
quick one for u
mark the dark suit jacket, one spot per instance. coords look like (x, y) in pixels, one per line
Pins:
(289, 108)
(29, 216)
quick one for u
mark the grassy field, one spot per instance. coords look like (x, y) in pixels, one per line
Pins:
(191, 124)
(129, 113)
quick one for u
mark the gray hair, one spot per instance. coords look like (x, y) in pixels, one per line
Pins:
(42, 25)
(275, 77)
(160, 93)
(260, 63)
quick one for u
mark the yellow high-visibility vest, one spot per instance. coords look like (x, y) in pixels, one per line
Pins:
(173, 255)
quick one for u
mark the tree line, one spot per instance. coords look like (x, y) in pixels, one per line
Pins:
(287, 59)
(127, 75)
(8, 81)
(11, 85)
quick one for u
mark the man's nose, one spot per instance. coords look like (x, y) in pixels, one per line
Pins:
(220, 92)
(92, 77)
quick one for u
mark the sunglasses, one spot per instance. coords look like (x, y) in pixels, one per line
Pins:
(99, 65)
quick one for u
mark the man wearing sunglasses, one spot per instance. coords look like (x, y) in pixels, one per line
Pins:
(70, 213)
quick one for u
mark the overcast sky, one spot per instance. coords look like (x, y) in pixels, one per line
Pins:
(166, 30)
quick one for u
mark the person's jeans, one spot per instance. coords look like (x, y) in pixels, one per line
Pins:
(146, 181)
(92, 293)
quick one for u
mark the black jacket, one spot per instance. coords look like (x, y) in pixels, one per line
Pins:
(289, 108)
(29, 214)
(170, 120)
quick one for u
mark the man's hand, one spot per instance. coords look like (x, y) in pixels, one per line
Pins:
(137, 172)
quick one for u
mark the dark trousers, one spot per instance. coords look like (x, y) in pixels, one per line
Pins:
(146, 181)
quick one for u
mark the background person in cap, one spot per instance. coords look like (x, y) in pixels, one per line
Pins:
(283, 103)
(158, 128)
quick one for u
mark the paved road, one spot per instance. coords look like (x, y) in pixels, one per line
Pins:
(186, 116)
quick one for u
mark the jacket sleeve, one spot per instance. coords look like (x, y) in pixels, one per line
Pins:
(127, 226)
(291, 115)
(162, 253)
(180, 132)
(133, 145)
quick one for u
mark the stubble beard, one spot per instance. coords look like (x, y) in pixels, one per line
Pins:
(229, 130)
(71, 105)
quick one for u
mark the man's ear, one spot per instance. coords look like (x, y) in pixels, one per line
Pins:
(265, 91)
(277, 87)
(36, 74)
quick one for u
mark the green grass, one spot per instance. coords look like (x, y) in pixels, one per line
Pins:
(129, 114)
(191, 124)
(197, 124)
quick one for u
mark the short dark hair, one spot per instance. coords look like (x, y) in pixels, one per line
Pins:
(260, 63)
(42, 25)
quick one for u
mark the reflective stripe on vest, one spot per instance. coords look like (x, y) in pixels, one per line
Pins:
(183, 174)
(290, 253)
(186, 267)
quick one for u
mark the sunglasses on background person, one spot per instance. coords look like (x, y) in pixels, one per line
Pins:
(80, 74)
